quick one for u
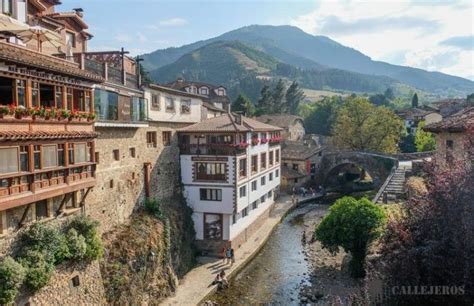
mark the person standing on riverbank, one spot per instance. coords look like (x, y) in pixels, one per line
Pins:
(228, 255)
(232, 256)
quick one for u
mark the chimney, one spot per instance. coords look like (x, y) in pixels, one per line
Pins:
(238, 118)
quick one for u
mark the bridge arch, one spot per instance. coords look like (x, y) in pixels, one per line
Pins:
(377, 165)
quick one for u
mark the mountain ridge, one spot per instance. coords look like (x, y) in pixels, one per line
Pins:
(293, 46)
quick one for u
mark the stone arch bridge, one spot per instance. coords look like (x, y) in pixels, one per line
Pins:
(379, 166)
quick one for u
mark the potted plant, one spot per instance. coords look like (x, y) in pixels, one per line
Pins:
(255, 141)
(64, 114)
(91, 117)
(4, 111)
(20, 111)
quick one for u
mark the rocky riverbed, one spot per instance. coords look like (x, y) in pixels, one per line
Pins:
(329, 280)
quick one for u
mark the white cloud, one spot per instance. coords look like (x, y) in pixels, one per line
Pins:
(407, 32)
(173, 22)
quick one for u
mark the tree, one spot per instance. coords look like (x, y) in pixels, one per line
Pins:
(12, 275)
(361, 126)
(379, 100)
(389, 94)
(321, 115)
(265, 103)
(407, 143)
(470, 99)
(279, 102)
(243, 104)
(145, 75)
(294, 96)
(414, 101)
(351, 224)
(434, 240)
(424, 141)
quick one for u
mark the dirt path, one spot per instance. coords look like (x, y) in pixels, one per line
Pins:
(330, 281)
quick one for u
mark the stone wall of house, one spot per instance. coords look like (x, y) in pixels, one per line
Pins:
(295, 131)
(120, 187)
(71, 284)
(458, 151)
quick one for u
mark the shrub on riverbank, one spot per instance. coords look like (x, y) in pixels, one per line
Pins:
(351, 224)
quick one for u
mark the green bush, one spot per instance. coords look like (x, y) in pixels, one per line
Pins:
(351, 224)
(87, 228)
(76, 244)
(45, 239)
(39, 268)
(12, 275)
(153, 207)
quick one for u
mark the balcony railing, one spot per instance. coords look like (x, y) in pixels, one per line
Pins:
(210, 177)
(211, 149)
(34, 182)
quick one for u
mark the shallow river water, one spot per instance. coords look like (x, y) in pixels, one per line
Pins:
(275, 275)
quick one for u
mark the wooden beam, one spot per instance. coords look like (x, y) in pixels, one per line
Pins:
(84, 197)
(66, 198)
(3, 223)
(25, 213)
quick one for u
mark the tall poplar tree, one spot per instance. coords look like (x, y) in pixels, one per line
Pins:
(265, 103)
(294, 96)
(279, 101)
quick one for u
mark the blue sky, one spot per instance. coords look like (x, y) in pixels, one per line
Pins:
(429, 34)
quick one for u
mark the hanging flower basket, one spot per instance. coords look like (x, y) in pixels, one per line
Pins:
(255, 141)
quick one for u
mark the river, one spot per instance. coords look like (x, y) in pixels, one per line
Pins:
(277, 273)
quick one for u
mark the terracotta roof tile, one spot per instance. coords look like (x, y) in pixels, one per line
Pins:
(39, 135)
(227, 123)
(457, 122)
(289, 173)
(23, 56)
(298, 150)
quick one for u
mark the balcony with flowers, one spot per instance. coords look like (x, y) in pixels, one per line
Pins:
(14, 112)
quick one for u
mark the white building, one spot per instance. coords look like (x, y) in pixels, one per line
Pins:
(230, 169)
(166, 104)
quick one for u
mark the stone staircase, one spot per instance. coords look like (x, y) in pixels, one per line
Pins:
(393, 189)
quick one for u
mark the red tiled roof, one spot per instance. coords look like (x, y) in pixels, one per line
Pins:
(227, 123)
(40, 135)
(457, 122)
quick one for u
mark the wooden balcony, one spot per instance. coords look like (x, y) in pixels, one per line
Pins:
(212, 149)
(26, 187)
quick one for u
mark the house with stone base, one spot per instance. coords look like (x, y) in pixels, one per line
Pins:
(230, 170)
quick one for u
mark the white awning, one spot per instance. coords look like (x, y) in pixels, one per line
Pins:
(11, 25)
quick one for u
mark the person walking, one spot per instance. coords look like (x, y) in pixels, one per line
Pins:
(232, 256)
(228, 255)
(225, 282)
(223, 252)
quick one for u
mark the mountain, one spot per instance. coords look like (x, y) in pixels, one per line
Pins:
(292, 46)
(242, 68)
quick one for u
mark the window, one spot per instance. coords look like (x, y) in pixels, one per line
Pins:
(263, 160)
(234, 218)
(210, 171)
(151, 139)
(262, 181)
(296, 181)
(254, 204)
(70, 40)
(262, 199)
(37, 156)
(58, 93)
(116, 154)
(277, 156)
(49, 156)
(193, 89)
(210, 194)
(245, 212)
(242, 191)
(212, 226)
(277, 173)
(7, 7)
(204, 91)
(270, 158)
(132, 152)
(169, 102)
(35, 94)
(270, 176)
(97, 157)
(221, 92)
(295, 167)
(243, 167)
(254, 185)
(9, 160)
(24, 162)
(21, 92)
(449, 144)
(254, 163)
(269, 194)
(69, 98)
(80, 153)
(185, 106)
(166, 138)
(155, 102)
(76, 281)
